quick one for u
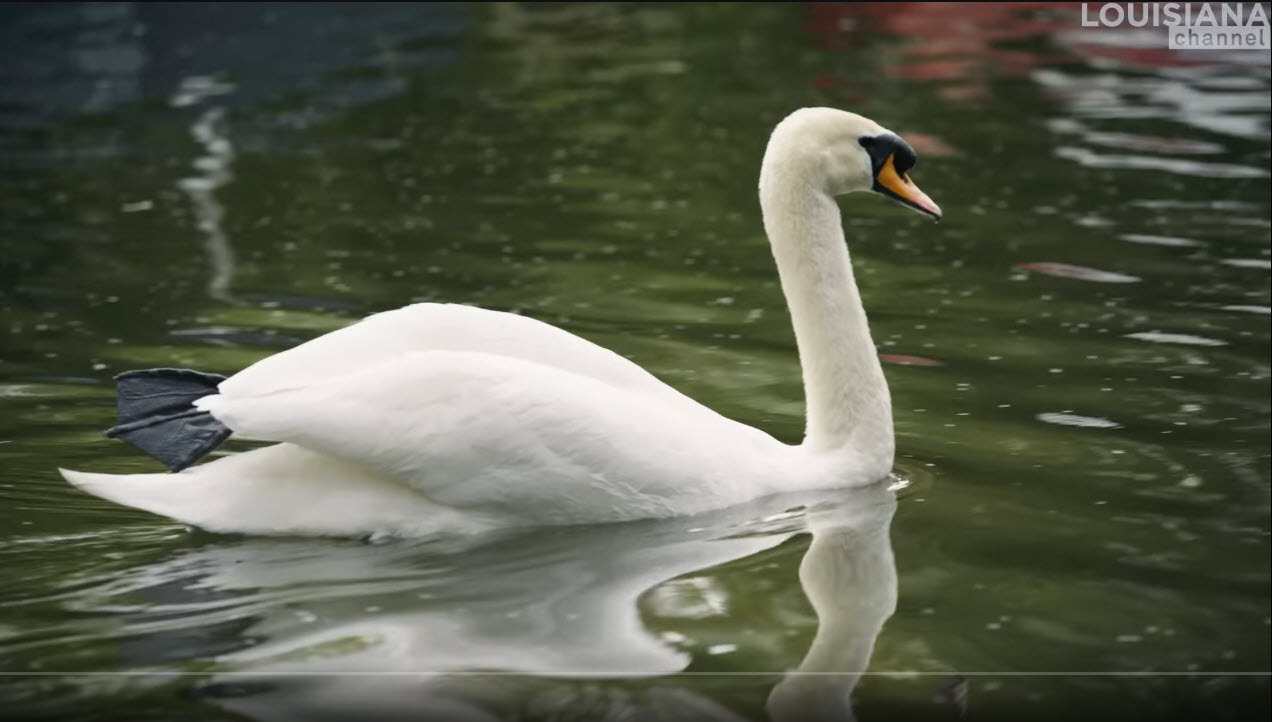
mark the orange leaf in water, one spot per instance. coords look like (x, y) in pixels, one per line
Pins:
(903, 360)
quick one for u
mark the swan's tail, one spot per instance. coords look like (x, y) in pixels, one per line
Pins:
(156, 414)
(173, 496)
(281, 490)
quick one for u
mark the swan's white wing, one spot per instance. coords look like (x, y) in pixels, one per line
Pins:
(439, 327)
(498, 434)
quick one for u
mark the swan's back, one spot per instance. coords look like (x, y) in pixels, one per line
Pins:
(441, 327)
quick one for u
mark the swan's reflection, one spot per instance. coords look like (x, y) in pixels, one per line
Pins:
(410, 631)
(850, 578)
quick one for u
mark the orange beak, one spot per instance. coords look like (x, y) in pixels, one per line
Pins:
(900, 188)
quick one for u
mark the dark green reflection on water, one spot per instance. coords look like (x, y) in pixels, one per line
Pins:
(1078, 354)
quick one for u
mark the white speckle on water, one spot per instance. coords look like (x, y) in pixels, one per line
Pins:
(722, 648)
(1260, 263)
(1176, 338)
(1159, 240)
(137, 207)
(1089, 422)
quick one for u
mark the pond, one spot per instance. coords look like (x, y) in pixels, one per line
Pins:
(1078, 355)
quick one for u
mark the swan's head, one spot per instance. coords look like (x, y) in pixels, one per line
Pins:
(840, 152)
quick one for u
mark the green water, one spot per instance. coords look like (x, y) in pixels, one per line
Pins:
(1078, 356)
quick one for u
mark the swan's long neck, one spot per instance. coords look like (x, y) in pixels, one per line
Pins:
(846, 395)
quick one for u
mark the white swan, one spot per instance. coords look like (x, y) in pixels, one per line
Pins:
(441, 418)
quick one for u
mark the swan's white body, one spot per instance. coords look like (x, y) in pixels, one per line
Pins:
(438, 418)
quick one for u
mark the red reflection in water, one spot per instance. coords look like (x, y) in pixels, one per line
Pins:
(957, 39)
(903, 360)
(962, 44)
(1065, 270)
(928, 145)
